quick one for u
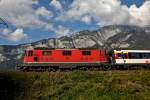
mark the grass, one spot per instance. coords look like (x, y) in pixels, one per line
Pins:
(90, 85)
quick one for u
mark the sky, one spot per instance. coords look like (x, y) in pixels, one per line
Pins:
(33, 20)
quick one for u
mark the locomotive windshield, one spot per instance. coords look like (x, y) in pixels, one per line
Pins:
(28, 53)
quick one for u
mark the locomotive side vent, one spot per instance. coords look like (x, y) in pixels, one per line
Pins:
(67, 53)
(86, 53)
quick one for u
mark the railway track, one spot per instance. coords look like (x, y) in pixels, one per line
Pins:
(85, 68)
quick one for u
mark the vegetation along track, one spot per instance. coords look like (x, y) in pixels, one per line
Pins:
(77, 85)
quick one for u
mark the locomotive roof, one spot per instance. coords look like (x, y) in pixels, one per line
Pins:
(43, 48)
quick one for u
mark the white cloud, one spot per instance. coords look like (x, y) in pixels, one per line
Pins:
(56, 4)
(87, 19)
(42, 11)
(15, 36)
(107, 12)
(61, 31)
(20, 13)
(140, 15)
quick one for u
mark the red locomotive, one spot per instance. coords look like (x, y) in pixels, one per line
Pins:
(61, 59)
(52, 59)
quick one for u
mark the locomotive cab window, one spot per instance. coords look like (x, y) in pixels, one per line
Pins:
(26, 53)
(47, 53)
(86, 53)
(67, 53)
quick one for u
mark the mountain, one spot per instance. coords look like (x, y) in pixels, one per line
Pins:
(107, 37)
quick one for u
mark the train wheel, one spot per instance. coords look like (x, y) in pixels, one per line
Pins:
(107, 67)
(51, 69)
(58, 70)
(125, 67)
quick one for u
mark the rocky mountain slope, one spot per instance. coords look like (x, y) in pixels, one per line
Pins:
(108, 37)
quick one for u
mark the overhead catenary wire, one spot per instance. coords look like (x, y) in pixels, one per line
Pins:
(2, 21)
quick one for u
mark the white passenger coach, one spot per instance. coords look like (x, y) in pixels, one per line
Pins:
(132, 56)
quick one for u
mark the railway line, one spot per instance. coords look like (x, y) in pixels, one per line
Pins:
(84, 59)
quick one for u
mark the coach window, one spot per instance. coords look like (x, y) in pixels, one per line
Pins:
(67, 53)
(86, 53)
(134, 55)
(146, 55)
(30, 53)
(47, 53)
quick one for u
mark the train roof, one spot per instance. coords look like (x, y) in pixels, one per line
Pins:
(132, 51)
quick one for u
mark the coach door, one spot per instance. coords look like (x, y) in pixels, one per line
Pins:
(124, 57)
(36, 59)
(121, 57)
